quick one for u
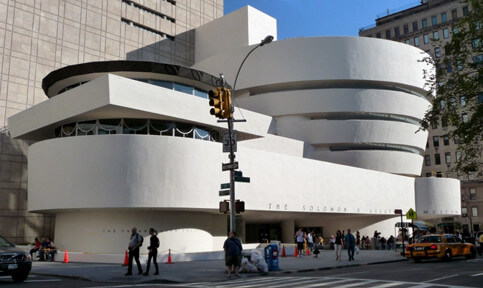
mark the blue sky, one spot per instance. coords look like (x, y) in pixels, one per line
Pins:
(309, 18)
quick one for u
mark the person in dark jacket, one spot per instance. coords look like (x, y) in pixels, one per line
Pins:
(153, 251)
(233, 249)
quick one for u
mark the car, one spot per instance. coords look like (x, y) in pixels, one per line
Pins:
(479, 241)
(13, 261)
(444, 246)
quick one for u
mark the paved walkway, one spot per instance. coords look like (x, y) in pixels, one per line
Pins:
(210, 270)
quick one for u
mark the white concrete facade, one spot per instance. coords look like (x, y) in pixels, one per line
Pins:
(348, 96)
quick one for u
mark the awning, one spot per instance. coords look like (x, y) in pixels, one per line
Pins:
(445, 224)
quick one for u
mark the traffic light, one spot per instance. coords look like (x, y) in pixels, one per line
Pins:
(216, 100)
(227, 112)
(224, 207)
(239, 206)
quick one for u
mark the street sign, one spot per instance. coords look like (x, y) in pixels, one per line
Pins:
(397, 211)
(225, 186)
(238, 173)
(224, 192)
(226, 141)
(229, 166)
(242, 179)
(411, 214)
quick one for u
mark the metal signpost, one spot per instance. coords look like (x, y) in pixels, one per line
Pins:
(220, 99)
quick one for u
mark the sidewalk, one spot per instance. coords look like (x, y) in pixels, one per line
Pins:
(210, 270)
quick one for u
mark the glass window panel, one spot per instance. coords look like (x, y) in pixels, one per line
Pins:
(445, 33)
(183, 88)
(437, 159)
(201, 94)
(424, 23)
(416, 41)
(434, 20)
(435, 35)
(426, 38)
(165, 84)
(415, 26)
(444, 17)
(447, 157)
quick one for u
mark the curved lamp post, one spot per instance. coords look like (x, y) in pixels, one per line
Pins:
(230, 121)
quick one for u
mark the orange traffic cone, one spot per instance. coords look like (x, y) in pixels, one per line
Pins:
(66, 257)
(296, 253)
(283, 251)
(169, 258)
(308, 251)
(126, 259)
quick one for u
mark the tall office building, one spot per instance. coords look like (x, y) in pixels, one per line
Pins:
(37, 37)
(419, 26)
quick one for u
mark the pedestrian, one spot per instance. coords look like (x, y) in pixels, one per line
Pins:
(233, 249)
(135, 242)
(351, 244)
(300, 242)
(338, 245)
(153, 251)
(310, 240)
(37, 244)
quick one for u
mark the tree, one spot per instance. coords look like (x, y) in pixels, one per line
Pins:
(459, 98)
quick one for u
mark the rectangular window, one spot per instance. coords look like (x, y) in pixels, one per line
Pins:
(471, 176)
(480, 98)
(447, 157)
(459, 65)
(425, 39)
(444, 18)
(454, 14)
(464, 117)
(445, 33)
(407, 41)
(434, 125)
(446, 140)
(378, 35)
(437, 159)
(465, 11)
(439, 174)
(427, 160)
(416, 41)
(428, 174)
(435, 141)
(415, 26)
(449, 67)
(455, 30)
(396, 31)
(406, 29)
(458, 156)
(388, 34)
(448, 174)
(463, 101)
(464, 211)
(437, 52)
(474, 211)
(472, 193)
(456, 139)
(435, 35)
(476, 43)
(434, 20)
(424, 23)
(478, 59)
(444, 121)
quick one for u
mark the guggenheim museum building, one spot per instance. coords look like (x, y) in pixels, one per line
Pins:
(329, 142)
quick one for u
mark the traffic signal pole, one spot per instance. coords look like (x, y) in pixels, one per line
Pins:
(232, 179)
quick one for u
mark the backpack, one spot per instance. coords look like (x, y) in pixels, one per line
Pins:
(156, 243)
(142, 239)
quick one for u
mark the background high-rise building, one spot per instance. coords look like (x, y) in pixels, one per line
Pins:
(37, 37)
(429, 26)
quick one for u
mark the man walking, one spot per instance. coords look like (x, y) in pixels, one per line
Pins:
(134, 243)
(351, 244)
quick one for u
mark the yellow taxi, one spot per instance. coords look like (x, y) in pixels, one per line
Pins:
(444, 246)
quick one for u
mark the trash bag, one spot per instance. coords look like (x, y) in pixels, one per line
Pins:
(247, 267)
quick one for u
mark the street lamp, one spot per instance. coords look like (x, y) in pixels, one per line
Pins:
(268, 39)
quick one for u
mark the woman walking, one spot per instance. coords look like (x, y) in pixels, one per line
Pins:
(338, 245)
(153, 251)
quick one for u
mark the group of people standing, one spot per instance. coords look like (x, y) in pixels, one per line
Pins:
(310, 240)
(135, 243)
